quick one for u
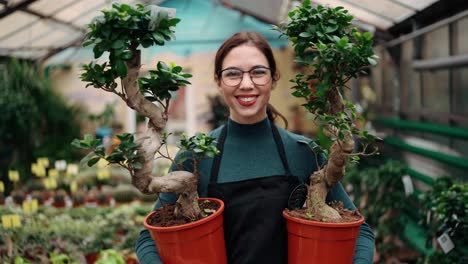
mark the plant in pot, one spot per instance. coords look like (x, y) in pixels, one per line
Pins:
(120, 32)
(78, 198)
(445, 215)
(39, 196)
(18, 196)
(59, 198)
(333, 53)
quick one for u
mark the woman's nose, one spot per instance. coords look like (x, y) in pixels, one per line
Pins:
(246, 81)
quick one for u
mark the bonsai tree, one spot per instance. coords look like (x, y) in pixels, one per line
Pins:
(120, 32)
(333, 52)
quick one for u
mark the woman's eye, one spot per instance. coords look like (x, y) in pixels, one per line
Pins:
(259, 72)
(232, 74)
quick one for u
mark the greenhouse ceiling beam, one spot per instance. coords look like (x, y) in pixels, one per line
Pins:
(26, 26)
(367, 10)
(56, 20)
(10, 9)
(75, 43)
(245, 11)
(398, 2)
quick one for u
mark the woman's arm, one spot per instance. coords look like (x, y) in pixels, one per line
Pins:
(364, 252)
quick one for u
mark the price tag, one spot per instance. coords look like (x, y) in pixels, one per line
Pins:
(408, 185)
(445, 243)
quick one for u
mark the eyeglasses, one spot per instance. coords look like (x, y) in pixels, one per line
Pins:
(234, 76)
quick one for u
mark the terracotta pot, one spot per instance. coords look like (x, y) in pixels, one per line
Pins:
(92, 258)
(320, 242)
(200, 242)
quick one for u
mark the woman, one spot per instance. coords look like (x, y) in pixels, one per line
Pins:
(259, 164)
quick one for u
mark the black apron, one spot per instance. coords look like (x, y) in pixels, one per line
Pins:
(254, 228)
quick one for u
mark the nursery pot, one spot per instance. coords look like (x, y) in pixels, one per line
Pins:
(320, 242)
(199, 242)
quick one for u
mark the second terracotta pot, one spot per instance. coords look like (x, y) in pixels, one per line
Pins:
(320, 242)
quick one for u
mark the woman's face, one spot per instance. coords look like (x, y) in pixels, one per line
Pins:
(247, 101)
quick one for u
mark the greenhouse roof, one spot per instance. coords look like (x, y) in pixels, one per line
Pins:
(39, 29)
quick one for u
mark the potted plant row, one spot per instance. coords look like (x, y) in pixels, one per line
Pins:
(120, 32)
(333, 52)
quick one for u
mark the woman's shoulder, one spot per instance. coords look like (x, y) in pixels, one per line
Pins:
(216, 132)
(291, 137)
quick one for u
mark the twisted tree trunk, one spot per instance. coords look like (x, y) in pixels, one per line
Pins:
(179, 182)
(324, 179)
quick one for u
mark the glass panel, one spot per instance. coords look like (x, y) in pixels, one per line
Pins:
(418, 4)
(49, 7)
(385, 8)
(15, 21)
(436, 91)
(358, 13)
(79, 9)
(410, 79)
(376, 78)
(460, 98)
(436, 44)
(436, 83)
(390, 79)
(27, 36)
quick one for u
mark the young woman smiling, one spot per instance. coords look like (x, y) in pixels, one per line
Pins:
(259, 164)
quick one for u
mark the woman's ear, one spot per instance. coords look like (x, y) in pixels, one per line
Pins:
(276, 77)
(217, 80)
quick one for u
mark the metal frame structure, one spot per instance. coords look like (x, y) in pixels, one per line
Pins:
(24, 41)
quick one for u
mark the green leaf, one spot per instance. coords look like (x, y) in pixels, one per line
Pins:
(120, 68)
(118, 44)
(305, 35)
(93, 161)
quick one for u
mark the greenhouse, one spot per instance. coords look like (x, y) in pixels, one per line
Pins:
(234, 131)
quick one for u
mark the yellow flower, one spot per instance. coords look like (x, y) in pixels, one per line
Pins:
(13, 175)
(34, 205)
(11, 220)
(2, 187)
(53, 173)
(15, 220)
(72, 169)
(34, 167)
(50, 183)
(103, 174)
(30, 206)
(44, 162)
(73, 186)
(41, 171)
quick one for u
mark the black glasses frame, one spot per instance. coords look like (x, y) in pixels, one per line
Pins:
(243, 72)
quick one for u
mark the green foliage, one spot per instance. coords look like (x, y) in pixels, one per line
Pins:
(445, 209)
(162, 82)
(324, 41)
(379, 192)
(35, 121)
(119, 32)
(71, 233)
(199, 147)
(110, 256)
(125, 154)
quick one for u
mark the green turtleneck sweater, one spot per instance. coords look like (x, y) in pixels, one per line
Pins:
(250, 152)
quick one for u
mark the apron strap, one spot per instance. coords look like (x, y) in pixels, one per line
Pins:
(222, 138)
(217, 158)
(280, 148)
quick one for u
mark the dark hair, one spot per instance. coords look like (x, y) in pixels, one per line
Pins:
(256, 40)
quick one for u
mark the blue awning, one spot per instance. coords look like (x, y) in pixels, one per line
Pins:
(206, 24)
